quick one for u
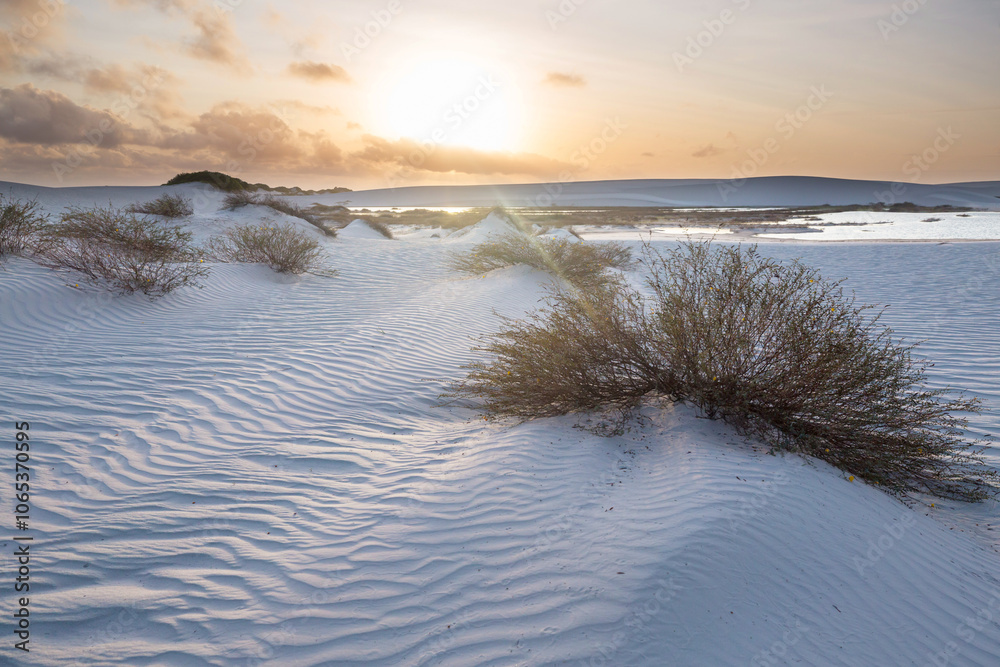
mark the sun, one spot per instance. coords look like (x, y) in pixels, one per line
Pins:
(451, 102)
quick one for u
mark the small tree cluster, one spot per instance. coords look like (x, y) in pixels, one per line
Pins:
(582, 265)
(123, 251)
(284, 248)
(168, 206)
(769, 347)
(216, 179)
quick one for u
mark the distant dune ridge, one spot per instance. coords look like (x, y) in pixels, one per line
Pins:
(770, 191)
(767, 191)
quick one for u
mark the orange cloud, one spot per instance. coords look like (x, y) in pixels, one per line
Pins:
(560, 79)
(215, 39)
(412, 155)
(319, 72)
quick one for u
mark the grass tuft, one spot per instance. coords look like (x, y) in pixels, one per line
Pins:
(380, 227)
(235, 200)
(581, 264)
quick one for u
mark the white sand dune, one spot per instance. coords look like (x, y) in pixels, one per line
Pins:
(261, 472)
(768, 191)
(492, 226)
(359, 229)
(560, 234)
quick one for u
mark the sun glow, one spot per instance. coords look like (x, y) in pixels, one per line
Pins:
(451, 102)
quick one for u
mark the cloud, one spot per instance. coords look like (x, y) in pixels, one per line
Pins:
(238, 131)
(300, 43)
(313, 109)
(648, 154)
(319, 72)
(708, 151)
(215, 39)
(563, 80)
(45, 117)
(409, 154)
(150, 88)
(30, 25)
(40, 128)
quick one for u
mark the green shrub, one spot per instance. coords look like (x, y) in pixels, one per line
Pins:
(125, 252)
(20, 222)
(583, 265)
(769, 347)
(168, 206)
(284, 248)
(216, 179)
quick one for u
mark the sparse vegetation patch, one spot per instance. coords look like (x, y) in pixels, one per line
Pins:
(20, 223)
(168, 206)
(769, 347)
(583, 265)
(123, 251)
(284, 248)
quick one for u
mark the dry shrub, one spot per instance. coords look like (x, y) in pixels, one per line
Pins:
(769, 347)
(168, 206)
(235, 200)
(239, 199)
(20, 223)
(123, 251)
(580, 264)
(284, 248)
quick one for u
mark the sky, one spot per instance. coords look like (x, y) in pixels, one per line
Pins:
(389, 93)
